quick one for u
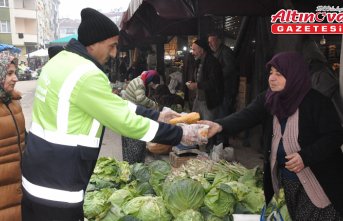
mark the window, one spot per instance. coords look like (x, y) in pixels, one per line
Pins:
(5, 26)
(3, 3)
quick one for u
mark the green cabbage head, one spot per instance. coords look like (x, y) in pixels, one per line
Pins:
(189, 215)
(182, 194)
(147, 208)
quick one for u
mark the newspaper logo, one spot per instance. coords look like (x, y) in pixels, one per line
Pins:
(326, 20)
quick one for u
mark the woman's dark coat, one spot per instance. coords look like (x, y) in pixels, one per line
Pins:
(320, 139)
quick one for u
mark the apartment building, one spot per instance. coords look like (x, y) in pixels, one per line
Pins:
(28, 24)
(68, 26)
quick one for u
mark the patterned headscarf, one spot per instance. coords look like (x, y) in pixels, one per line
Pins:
(296, 71)
(5, 61)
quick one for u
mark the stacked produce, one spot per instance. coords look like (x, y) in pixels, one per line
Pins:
(200, 190)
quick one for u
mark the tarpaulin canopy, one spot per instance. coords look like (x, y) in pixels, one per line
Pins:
(146, 26)
(145, 19)
(64, 40)
(39, 53)
(11, 48)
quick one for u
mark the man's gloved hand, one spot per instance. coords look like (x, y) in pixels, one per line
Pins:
(167, 114)
(193, 134)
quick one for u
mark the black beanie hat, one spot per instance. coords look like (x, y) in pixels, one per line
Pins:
(203, 43)
(95, 27)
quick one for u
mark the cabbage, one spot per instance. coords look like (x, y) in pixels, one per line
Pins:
(220, 202)
(145, 189)
(208, 216)
(96, 204)
(254, 200)
(183, 194)
(118, 197)
(238, 189)
(140, 172)
(129, 218)
(159, 171)
(124, 171)
(114, 214)
(147, 208)
(109, 173)
(189, 215)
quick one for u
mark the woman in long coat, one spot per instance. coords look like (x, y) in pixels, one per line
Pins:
(12, 137)
(302, 138)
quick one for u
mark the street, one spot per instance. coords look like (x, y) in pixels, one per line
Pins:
(111, 145)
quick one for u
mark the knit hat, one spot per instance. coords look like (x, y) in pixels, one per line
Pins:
(150, 76)
(203, 43)
(95, 27)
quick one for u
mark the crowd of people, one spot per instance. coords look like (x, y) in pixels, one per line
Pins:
(44, 173)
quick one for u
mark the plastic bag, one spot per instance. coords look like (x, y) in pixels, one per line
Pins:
(275, 215)
(220, 153)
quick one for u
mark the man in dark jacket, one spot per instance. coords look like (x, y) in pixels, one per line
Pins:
(207, 81)
(227, 61)
(208, 84)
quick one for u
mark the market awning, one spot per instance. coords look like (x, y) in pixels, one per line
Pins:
(39, 53)
(63, 41)
(148, 19)
(145, 20)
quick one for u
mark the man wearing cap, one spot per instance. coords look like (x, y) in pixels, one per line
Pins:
(207, 82)
(73, 103)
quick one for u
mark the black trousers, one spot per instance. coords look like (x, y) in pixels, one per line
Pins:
(32, 211)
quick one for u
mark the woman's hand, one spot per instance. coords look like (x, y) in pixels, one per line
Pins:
(214, 127)
(295, 163)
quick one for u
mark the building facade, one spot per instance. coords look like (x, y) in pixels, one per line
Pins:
(28, 24)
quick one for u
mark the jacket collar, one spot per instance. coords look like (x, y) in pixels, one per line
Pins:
(76, 47)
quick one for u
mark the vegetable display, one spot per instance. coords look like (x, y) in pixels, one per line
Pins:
(200, 190)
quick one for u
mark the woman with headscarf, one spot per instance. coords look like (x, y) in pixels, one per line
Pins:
(12, 141)
(302, 136)
(136, 92)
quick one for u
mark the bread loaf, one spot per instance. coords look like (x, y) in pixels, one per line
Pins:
(189, 118)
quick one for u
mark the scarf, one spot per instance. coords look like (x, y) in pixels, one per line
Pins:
(4, 96)
(294, 68)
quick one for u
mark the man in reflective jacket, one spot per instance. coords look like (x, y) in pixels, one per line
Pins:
(73, 103)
